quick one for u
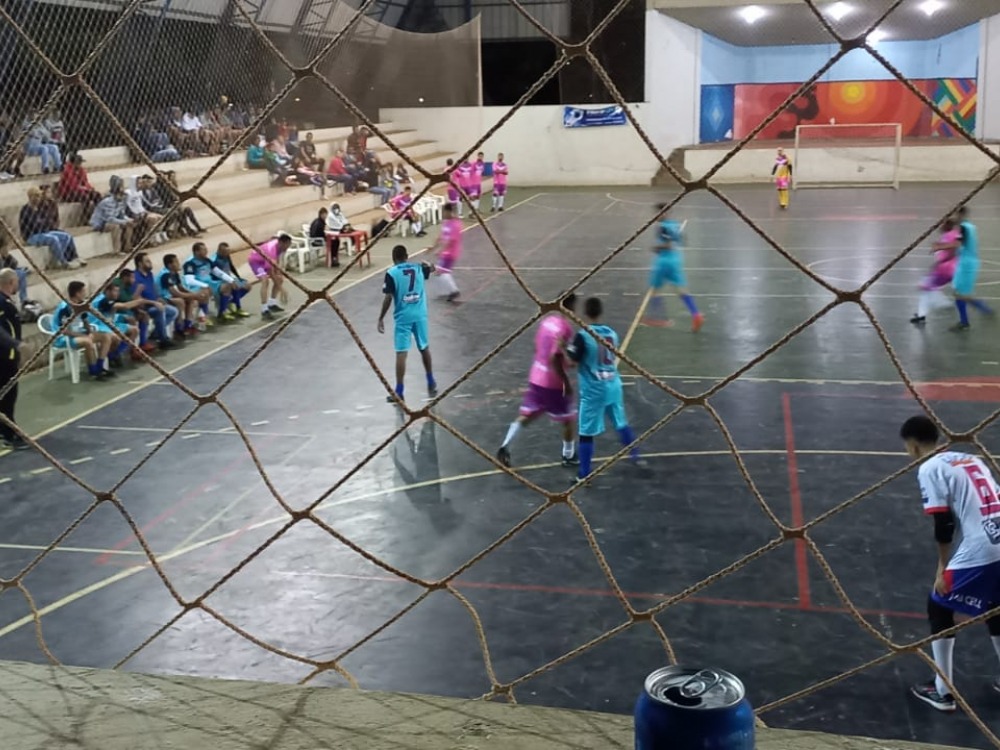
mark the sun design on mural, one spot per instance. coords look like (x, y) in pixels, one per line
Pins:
(851, 95)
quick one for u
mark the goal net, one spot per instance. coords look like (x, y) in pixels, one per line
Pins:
(847, 155)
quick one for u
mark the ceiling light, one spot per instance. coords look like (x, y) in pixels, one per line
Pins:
(875, 37)
(752, 13)
(930, 7)
(838, 10)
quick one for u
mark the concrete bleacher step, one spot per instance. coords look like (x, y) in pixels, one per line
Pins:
(102, 163)
(261, 220)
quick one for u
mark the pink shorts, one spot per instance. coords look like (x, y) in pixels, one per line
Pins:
(453, 195)
(446, 263)
(552, 401)
(499, 188)
(474, 191)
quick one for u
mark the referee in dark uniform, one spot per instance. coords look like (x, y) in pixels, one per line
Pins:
(11, 351)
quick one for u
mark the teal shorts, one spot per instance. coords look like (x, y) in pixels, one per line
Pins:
(668, 268)
(414, 330)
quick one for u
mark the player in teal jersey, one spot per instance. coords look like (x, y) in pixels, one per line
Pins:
(404, 290)
(198, 274)
(967, 271)
(668, 270)
(600, 385)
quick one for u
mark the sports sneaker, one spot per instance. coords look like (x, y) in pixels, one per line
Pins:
(657, 323)
(277, 308)
(918, 320)
(503, 456)
(570, 461)
(958, 327)
(697, 321)
(267, 314)
(432, 390)
(927, 692)
(242, 313)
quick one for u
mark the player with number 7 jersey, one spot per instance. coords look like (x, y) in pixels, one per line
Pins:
(960, 494)
(600, 385)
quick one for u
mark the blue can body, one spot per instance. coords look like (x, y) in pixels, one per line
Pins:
(672, 715)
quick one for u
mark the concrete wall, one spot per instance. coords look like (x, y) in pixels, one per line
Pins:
(955, 55)
(539, 150)
(673, 85)
(988, 114)
(841, 165)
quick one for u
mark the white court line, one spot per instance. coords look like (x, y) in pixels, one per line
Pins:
(185, 433)
(337, 290)
(283, 518)
(80, 550)
(818, 381)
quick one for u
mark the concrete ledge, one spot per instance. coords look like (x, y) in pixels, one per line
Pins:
(59, 708)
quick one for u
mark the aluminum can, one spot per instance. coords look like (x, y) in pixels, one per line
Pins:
(693, 709)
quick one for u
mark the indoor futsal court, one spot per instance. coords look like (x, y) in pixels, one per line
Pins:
(815, 423)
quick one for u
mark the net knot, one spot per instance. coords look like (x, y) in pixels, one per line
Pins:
(559, 497)
(105, 497)
(852, 295)
(208, 398)
(437, 179)
(854, 43)
(303, 71)
(645, 616)
(5, 584)
(580, 49)
(70, 79)
(436, 585)
(796, 533)
(300, 515)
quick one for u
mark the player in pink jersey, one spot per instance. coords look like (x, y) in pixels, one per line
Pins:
(942, 272)
(454, 194)
(500, 172)
(449, 250)
(265, 263)
(402, 206)
(476, 180)
(549, 388)
(464, 175)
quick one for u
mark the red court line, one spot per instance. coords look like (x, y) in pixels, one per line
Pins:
(798, 517)
(181, 503)
(608, 593)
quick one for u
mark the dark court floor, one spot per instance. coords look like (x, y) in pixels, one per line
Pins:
(815, 423)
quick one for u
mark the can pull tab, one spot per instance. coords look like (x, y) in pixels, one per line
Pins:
(699, 684)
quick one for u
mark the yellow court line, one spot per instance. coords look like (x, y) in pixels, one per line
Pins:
(180, 552)
(636, 321)
(242, 337)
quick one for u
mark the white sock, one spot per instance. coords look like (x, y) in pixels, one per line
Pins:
(272, 302)
(944, 652)
(418, 227)
(494, 201)
(475, 204)
(568, 448)
(501, 199)
(515, 427)
(266, 306)
(924, 305)
(448, 280)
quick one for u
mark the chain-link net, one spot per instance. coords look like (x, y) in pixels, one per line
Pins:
(76, 59)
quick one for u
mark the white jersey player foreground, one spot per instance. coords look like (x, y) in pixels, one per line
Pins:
(960, 493)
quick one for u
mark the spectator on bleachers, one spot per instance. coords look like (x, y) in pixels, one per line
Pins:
(155, 144)
(7, 260)
(74, 187)
(280, 146)
(224, 269)
(308, 176)
(110, 215)
(280, 169)
(145, 220)
(145, 286)
(176, 293)
(337, 172)
(186, 132)
(134, 306)
(49, 206)
(37, 229)
(40, 144)
(83, 332)
(357, 141)
(382, 186)
(56, 129)
(402, 176)
(255, 155)
(158, 198)
(308, 150)
(10, 169)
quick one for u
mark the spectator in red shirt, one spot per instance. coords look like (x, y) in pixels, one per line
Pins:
(74, 187)
(337, 172)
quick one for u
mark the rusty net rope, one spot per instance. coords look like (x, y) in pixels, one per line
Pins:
(80, 77)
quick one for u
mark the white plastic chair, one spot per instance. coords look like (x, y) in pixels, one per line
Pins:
(316, 244)
(431, 206)
(299, 254)
(71, 356)
(401, 226)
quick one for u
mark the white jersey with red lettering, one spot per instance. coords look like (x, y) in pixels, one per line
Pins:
(963, 484)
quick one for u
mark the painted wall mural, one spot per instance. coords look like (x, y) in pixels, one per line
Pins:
(730, 112)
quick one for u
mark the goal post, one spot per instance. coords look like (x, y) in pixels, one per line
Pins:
(847, 155)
